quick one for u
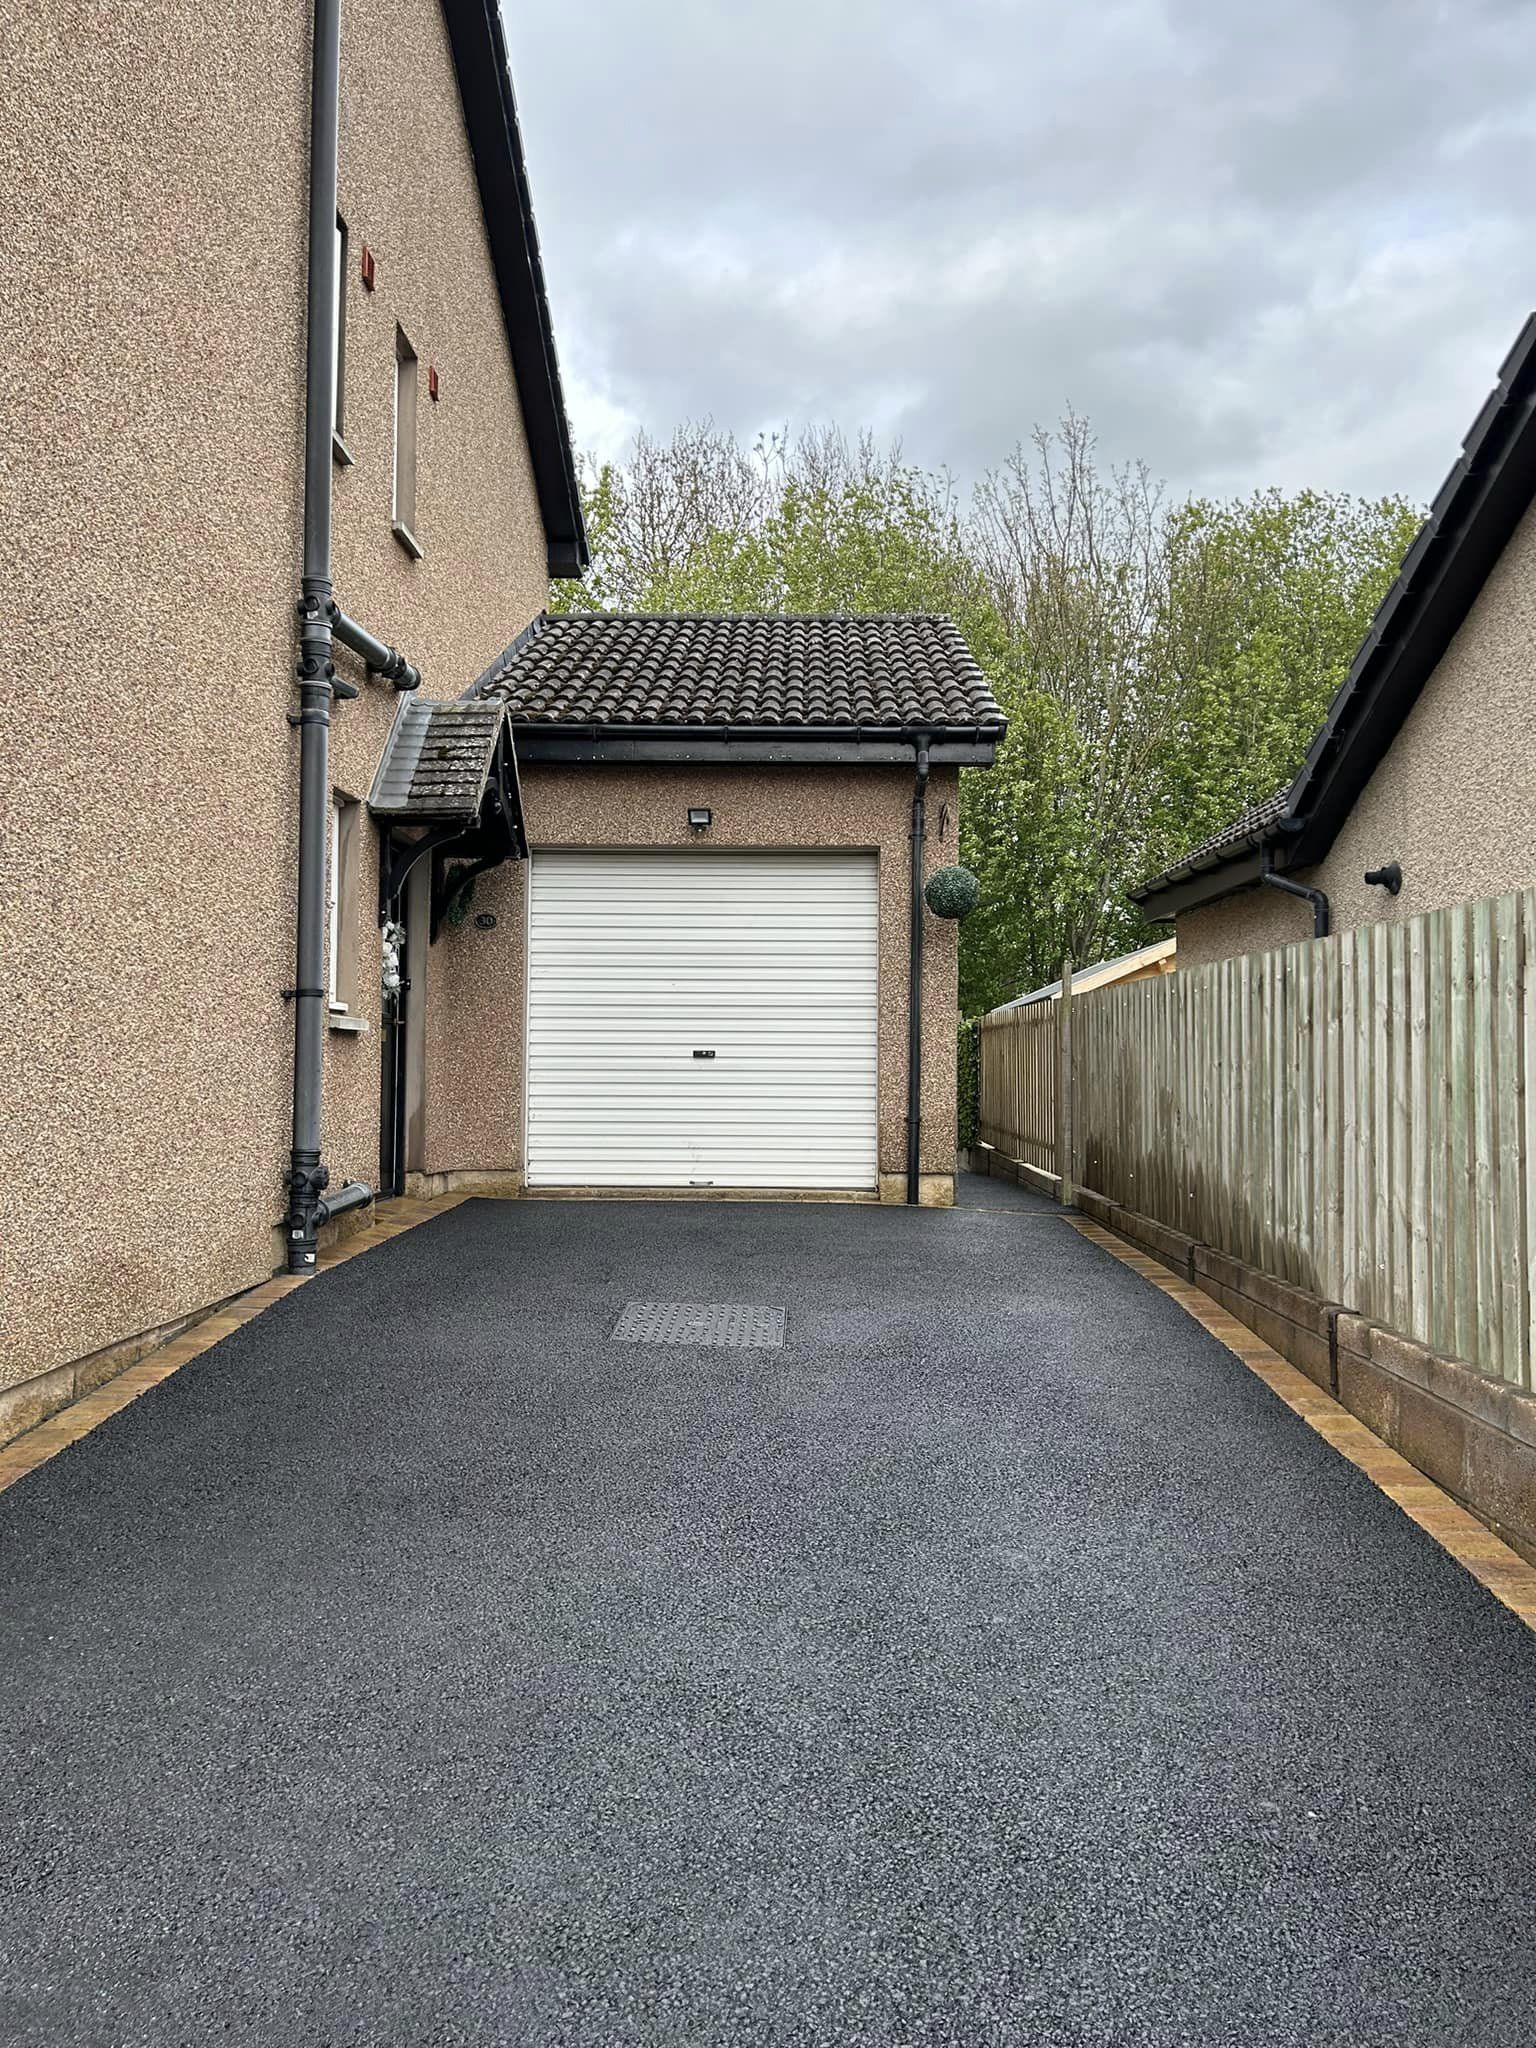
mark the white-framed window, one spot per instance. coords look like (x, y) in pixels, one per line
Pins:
(341, 895)
(339, 348)
(403, 516)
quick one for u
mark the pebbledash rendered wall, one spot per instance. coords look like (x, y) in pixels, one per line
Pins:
(152, 200)
(1454, 801)
(474, 1032)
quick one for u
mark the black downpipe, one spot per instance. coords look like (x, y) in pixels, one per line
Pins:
(915, 979)
(307, 1179)
(395, 1044)
(1321, 915)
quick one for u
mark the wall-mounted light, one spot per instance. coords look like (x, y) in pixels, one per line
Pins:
(700, 821)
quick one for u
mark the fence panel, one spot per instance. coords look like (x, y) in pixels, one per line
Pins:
(1016, 1094)
(1354, 1115)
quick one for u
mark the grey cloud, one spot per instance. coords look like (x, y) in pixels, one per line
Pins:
(1252, 244)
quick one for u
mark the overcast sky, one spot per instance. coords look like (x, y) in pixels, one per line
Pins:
(1254, 243)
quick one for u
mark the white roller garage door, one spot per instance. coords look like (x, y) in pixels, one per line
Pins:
(702, 1019)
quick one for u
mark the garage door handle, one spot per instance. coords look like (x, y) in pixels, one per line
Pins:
(703, 1055)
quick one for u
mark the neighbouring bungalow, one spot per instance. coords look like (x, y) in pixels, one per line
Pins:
(1420, 789)
(333, 868)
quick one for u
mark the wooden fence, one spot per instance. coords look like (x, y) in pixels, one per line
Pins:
(1017, 1083)
(1356, 1116)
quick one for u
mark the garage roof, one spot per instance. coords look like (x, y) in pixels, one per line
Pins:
(824, 676)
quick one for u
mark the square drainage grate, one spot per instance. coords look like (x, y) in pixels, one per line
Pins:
(690, 1322)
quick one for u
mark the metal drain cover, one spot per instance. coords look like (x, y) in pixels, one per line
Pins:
(691, 1322)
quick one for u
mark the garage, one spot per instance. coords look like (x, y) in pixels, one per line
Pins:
(719, 969)
(703, 1019)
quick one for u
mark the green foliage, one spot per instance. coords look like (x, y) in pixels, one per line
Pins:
(458, 894)
(1160, 666)
(968, 1081)
(1272, 597)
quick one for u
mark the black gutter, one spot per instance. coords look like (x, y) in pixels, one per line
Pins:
(915, 980)
(1232, 845)
(1170, 900)
(785, 749)
(907, 734)
(1320, 909)
(721, 743)
(903, 735)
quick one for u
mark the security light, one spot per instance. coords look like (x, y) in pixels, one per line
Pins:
(700, 821)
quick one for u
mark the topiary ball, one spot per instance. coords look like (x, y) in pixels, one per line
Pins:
(952, 892)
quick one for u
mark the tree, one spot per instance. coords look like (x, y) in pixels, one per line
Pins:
(1272, 597)
(820, 524)
(1076, 565)
(1160, 664)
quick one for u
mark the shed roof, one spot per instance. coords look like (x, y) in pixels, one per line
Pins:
(823, 674)
(1161, 954)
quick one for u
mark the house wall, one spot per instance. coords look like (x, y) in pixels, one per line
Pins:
(474, 1026)
(1454, 800)
(153, 167)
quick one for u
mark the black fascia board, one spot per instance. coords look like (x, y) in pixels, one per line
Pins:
(571, 744)
(495, 139)
(1170, 899)
(1362, 724)
(905, 733)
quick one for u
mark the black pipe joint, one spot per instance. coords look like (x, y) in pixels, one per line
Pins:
(314, 664)
(398, 670)
(306, 1182)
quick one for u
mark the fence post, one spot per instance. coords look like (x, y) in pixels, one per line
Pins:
(1067, 1191)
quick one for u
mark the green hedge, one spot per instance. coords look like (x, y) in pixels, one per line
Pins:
(967, 1039)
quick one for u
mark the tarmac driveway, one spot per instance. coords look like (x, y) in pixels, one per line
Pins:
(995, 1662)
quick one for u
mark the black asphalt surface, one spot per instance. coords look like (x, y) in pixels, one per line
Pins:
(998, 1662)
(980, 1191)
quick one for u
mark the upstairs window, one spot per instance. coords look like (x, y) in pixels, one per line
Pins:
(341, 890)
(339, 346)
(404, 515)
